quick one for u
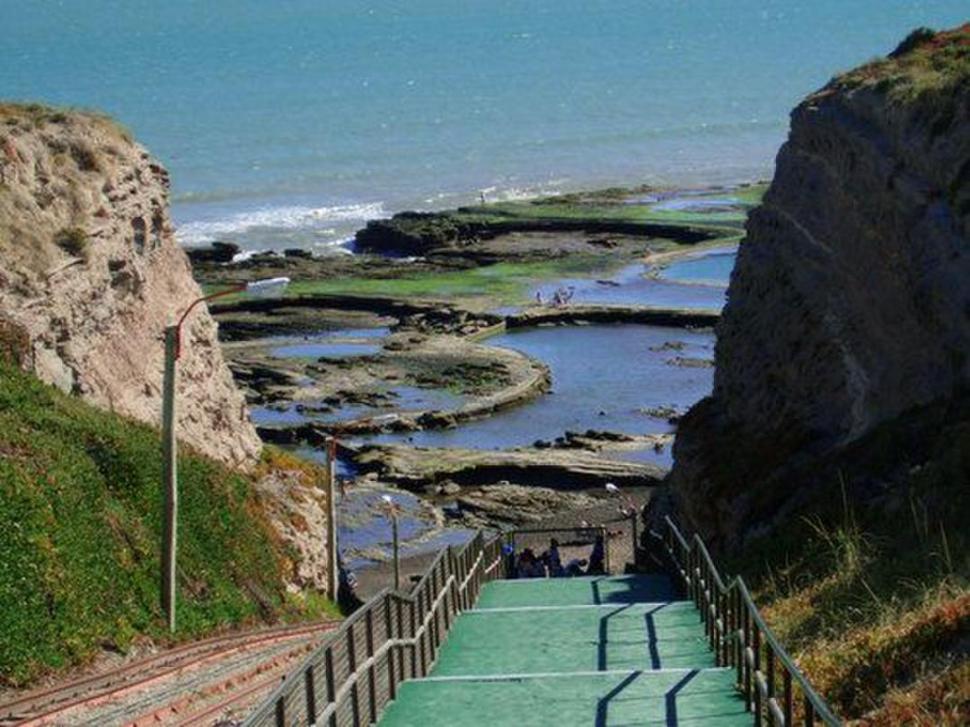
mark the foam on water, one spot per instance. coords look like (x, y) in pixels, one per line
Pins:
(266, 219)
(283, 123)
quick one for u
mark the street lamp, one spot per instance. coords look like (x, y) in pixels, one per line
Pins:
(392, 509)
(630, 511)
(173, 351)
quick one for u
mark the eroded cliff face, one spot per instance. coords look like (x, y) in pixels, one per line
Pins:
(850, 302)
(90, 274)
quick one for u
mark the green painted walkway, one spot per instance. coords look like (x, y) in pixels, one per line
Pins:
(616, 650)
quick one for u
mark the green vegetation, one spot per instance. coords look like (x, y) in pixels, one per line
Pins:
(81, 506)
(618, 205)
(927, 66)
(873, 598)
(501, 283)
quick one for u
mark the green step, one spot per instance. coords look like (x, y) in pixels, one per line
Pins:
(610, 650)
(589, 590)
(585, 638)
(678, 697)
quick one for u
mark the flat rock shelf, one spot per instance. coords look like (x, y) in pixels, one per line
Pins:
(611, 650)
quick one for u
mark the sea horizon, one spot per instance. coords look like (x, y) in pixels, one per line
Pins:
(291, 125)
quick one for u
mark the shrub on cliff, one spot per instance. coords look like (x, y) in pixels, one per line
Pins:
(80, 500)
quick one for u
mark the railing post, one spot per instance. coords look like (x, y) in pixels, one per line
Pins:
(400, 632)
(352, 662)
(770, 658)
(331, 686)
(311, 696)
(747, 664)
(787, 709)
(809, 712)
(738, 637)
(757, 668)
(633, 536)
(280, 712)
(372, 670)
(390, 635)
(418, 645)
(435, 642)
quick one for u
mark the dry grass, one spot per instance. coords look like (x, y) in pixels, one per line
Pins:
(925, 64)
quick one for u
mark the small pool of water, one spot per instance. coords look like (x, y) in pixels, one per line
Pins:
(689, 203)
(714, 269)
(328, 349)
(631, 286)
(340, 343)
(603, 377)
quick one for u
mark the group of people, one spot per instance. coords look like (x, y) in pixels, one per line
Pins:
(549, 564)
(560, 297)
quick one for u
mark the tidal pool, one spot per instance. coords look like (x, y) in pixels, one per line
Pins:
(604, 377)
(714, 269)
(331, 344)
(631, 286)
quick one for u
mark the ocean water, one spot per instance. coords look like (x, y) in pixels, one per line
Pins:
(289, 123)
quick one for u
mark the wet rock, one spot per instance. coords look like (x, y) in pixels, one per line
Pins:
(216, 252)
(690, 363)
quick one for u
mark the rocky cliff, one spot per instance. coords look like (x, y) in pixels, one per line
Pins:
(90, 274)
(850, 301)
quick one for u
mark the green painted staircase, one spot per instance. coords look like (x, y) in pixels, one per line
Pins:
(611, 650)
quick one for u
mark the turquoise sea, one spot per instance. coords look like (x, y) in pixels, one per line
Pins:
(290, 122)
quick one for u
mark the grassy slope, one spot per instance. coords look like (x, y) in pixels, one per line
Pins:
(80, 502)
(873, 599)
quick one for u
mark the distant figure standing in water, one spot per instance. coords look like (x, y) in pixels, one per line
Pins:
(482, 194)
(539, 297)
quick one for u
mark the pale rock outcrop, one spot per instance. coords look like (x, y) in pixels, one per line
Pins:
(90, 274)
(850, 301)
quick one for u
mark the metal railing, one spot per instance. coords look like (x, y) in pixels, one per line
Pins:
(395, 636)
(740, 638)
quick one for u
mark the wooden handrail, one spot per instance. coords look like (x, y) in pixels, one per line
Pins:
(738, 634)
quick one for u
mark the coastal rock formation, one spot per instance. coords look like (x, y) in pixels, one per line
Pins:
(90, 275)
(850, 302)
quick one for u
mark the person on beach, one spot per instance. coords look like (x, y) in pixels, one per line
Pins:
(539, 297)
(530, 566)
(575, 567)
(597, 558)
(553, 560)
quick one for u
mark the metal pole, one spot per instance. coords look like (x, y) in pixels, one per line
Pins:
(397, 553)
(333, 575)
(633, 533)
(170, 478)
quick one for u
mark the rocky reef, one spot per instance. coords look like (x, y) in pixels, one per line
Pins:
(90, 274)
(849, 305)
